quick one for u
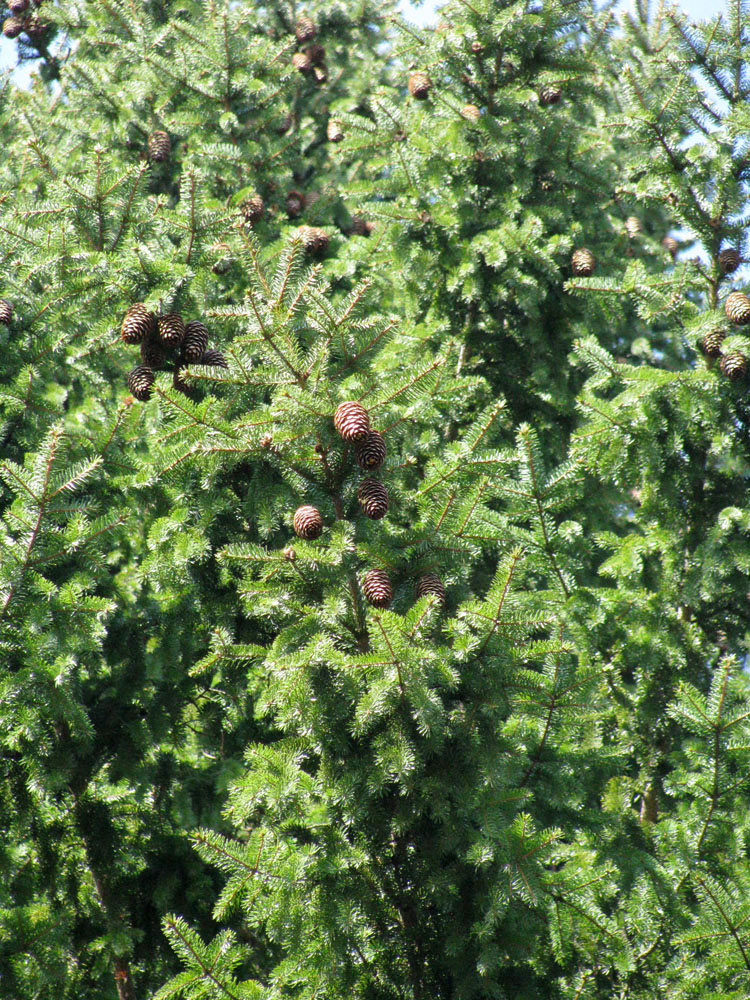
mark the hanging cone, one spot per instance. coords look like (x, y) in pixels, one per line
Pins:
(370, 451)
(420, 85)
(582, 263)
(140, 381)
(373, 499)
(377, 588)
(195, 341)
(171, 329)
(429, 584)
(308, 523)
(737, 308)
(159, 147)
(351, 421)
(138, 325)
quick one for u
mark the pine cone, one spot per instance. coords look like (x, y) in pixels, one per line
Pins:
(360, 226)
(351, 421)
(582, 263)
(302, 62)
(377, 588)
(711, 343)
(733, 366)
(316, 54)
(214, 359)
(477, 48)
(429, 584)
(737, 308)
(729, 260)
(304, 29)
(35, 28)
(370, 451)
(138, 324)
(314, 240)
(373, 498)
(171, 329)
(17, 7)
(471, 113)
(671, 245)
(253, 209)
(334, 132)
(140, 381)
(420, 85)
(549, 95)
(320, 73)
(195, 341)
(6, 312)
(295, 204)
(12, 27)
(159, 147)
(633, 227)
(308, 523)
(153, 354)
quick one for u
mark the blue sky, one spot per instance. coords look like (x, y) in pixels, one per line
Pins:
(424, 14)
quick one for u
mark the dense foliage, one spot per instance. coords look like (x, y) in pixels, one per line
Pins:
(262, 737)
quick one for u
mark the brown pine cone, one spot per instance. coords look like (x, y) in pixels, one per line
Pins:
(430, 584)
(159, 147)
(171, 329)
(671, 245)
(308, 523)
(195, 341)
(253, 209)
(138, 325)
(471, 113)
(733, 366)
(6, 312)
(633, 227)
(729, 260)
(582, 263)
(153, 354)
(214, 359)
(737, 308)
(17, 7)
(373, 499)
(549, 95)
(377, 588)
(140, 381)
(320, 73)
(304, 29)
(351, 421)
(711, 343)
(295, 204)
(370, 451)
(316, 54)
(302, 62)
(420, 85)
(360, 226)
(12, 27)
(314, 240)
(334, 131)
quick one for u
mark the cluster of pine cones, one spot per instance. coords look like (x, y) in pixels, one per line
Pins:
(352, 423)
(22, 20)
(733, 364)
(165, 339)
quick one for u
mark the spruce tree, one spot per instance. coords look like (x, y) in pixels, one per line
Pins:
(373, 589)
